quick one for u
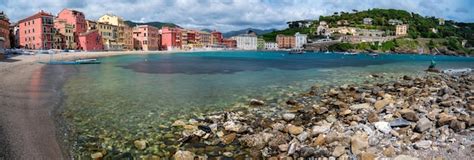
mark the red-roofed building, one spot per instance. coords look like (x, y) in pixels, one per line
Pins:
(91, 41)
(78, 21)
(216, 38)
(36, 31)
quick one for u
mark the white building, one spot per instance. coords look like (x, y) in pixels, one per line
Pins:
(271, 46)
(246, 41)
(300, 40)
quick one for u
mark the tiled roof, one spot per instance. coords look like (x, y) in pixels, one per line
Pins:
(37, 15)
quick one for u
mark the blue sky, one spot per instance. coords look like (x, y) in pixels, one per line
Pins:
(226, 15)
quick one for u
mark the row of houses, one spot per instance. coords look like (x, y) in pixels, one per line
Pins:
(72, 31)
(250, 41)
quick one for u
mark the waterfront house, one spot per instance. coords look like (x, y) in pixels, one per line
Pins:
(36, 31)
(342, 23)
(367, 21)
(124, 32)
(285, 42)
(171, 38)
(4, 31)
(203, 38)
(300, 40)
(146, 38)
(216, 38)
(77, 20)
(66, 30)
(271, 46)
(230, 43)
(109, 34)
(401, 30)
(91, 41)
(260, 44)
(246, 41)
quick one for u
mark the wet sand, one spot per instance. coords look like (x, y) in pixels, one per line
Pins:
(29, 99)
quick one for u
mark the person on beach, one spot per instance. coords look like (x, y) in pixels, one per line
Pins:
(432, 67)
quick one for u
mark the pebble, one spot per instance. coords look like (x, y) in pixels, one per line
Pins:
(338, 151)
(302, 136)
(405, 157)
(295, 130)
(289, 116)
(423, 144)
(423, 124)
(359, 142)
(97, 155)
(256, 102)
(320, 129)
(140, 144)
(384, 127)
(399, 122)
(183, 155)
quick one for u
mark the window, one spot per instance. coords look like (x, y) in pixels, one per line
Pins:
(33, 30)
(145, 42)
(144, 34)
(33, 38)
(33, 21)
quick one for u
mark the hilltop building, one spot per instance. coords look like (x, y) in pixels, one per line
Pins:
(36, 31)
(394, 22)
(367, 21)
(441, 21)
(322, 28)
(401, 30)
(4, 31)
(246, 41)
(146, 37)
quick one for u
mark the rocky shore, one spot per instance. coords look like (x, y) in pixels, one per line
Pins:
(408, 118)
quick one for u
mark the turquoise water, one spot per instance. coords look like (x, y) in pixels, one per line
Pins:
(137, 96)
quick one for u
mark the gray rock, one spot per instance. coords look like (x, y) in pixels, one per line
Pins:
(256, 102)
(289, 116)
(320, 129)
(399, 122)
(405, 157)
(292, 148)
(423, 125)
(278, 126)
(423, 144)
(307, 151)
(303, 136)
(383, 127)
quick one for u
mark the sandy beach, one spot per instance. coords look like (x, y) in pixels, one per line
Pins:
(27, 120)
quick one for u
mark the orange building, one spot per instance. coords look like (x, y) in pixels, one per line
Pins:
(171, 38)
(78, 21)
(285, 41)
(36, 31)
(216, 38)
(230, 43)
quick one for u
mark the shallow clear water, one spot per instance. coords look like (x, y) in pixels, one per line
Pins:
(128, 97)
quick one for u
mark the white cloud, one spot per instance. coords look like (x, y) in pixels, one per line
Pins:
(228, 15)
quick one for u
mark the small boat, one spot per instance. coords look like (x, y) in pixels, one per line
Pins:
(374, 54)
(457, 71)
(88, 61)
(297, 51)
(80, 61)
(350, 53)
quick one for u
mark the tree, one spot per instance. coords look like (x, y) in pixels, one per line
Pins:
(431, 45)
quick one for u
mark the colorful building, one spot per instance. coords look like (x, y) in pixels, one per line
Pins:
(36, 31)
(286, 42)
(66, 30)
(230, 43)
(271, 46)
(146, 38)
(216, 38)
(127, 37)
(4, 31)
(109, 34)
(204, 38)
(59, 40)
(246, 41)
(78, 21)
(260, 44)
(171, 38)
(91, 41)
(300, 40)
(124, 32)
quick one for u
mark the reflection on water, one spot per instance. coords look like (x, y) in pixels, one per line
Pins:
(136, 97)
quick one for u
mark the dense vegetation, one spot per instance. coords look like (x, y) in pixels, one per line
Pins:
(419, 26)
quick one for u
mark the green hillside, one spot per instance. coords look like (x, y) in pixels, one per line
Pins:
(154, 24)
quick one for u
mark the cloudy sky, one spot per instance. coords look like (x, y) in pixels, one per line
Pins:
(226, 15)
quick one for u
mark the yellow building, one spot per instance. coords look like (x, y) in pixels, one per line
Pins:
(123, 33)
(66, 30)
(109, 36)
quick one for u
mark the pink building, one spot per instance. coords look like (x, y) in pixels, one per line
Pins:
(36, 31)
(216, 38)
(91, 41)
(146, 38)
(170, 38)
(77, 20)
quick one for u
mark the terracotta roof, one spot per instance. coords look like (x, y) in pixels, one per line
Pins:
(37, 15)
